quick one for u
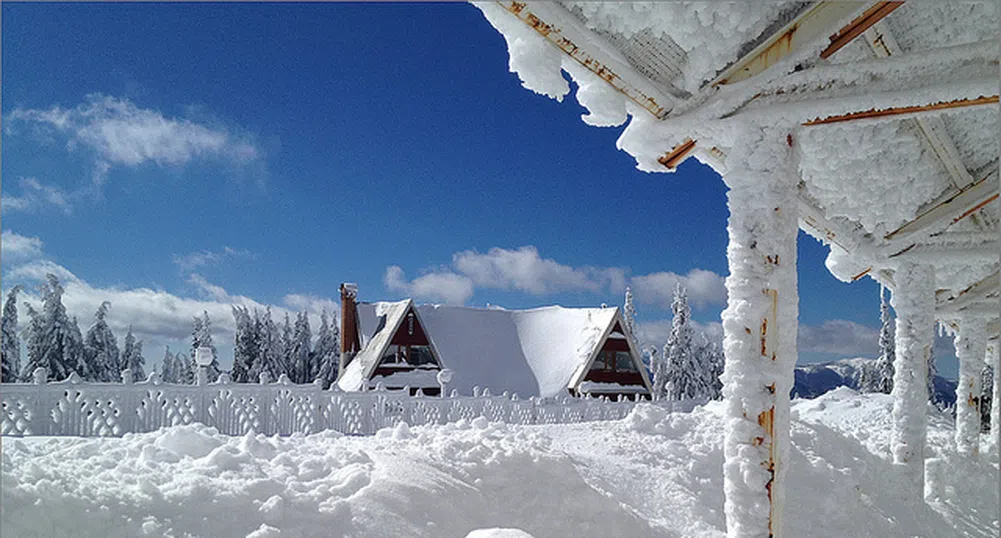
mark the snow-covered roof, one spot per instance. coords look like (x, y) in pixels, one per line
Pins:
(536, 352)
(891, 110)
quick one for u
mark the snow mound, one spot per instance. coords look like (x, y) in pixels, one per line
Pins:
(655, 473)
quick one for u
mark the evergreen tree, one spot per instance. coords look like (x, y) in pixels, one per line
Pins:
(185, 369)
(54, 342)
(168, 370)
(287, 346)
(932, 372)
(11, 346)
(879, 378)
(657, 369)
(271, 353)
(327, 351)
(629, 316)
(710, 363)
(986, 397)
(300, 370)
(682, 373)
(132, 356)
(201, 335)
(245, 346)
(101, 348)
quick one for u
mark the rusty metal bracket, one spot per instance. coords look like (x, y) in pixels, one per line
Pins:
(855, 28)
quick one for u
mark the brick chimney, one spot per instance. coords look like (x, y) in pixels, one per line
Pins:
(350, 343)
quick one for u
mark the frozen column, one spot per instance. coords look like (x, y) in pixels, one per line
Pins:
(914, 301)
(971, 345)
(759, 327)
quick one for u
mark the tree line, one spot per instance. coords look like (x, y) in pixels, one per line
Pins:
(54, 342)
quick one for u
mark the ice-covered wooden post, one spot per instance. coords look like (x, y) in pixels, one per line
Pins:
(759, 327)
(971, 345)
(914, 301)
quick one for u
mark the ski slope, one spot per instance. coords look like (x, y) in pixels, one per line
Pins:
(651, 474)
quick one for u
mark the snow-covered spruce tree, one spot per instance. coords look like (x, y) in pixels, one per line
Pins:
(629, 316)
(245, 346)
(287, 341)
(683, 375)
(880, 377)
(271, 354)
(201, 335)
(709, 361)
(132, 356)
(986, 397)
(300, 370)
(11, 345)
(186, 368)
(326, 352)
(54, 342)
(168, 372)
(656, 372)
(101, 348)
(932, 372)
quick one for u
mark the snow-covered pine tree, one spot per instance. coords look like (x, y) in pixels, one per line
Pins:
(270, 353)
(101, 348)
(629, 315)
(986, 397)
(185, 369)
(656, 372)
(327, 351)
(300, 371)
(245, 346)
(168, 373)
(880, 377)
(710, 365)
(132, 356)
(287, 342)
(201, 335)
(11, 344)
(682, 372)
(932, 372)
(54, 342)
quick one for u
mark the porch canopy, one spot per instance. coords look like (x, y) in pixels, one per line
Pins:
(872, 126)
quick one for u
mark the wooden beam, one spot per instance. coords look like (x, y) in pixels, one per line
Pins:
(894, 111)
(985, 250)
(803, 30)
(541, 17)
(677, 155)
(973, 294)
(953, 209)
(855, 28)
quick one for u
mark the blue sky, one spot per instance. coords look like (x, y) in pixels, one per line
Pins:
(172, 158)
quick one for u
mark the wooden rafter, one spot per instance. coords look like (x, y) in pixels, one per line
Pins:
(806, 28)
(953, 209)
(972, 295)
(859, 25)
(677, 155)
(895, 111)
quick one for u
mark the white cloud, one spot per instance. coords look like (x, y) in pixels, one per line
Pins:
(704, 288)
(656, 332)
(35, 196)
(120, 133)
(444, 286)
(312, 304)
(839, 337)
(17, 247)
(524, 269)
(194, 260)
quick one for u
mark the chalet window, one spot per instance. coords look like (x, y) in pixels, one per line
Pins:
(421, 355)
(614, 361)
(395, 355)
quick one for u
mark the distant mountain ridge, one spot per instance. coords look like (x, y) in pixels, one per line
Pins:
(812, 380)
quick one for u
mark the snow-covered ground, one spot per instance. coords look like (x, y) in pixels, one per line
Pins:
(651, 474)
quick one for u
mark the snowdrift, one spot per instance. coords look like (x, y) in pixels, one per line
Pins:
(652, 474)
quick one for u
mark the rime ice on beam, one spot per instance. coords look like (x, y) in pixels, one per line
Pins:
(971, 345)
(994, 359)
(759, 326)
(914, 302)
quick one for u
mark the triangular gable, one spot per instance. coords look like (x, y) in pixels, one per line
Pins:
(615, 324)
(388, 326)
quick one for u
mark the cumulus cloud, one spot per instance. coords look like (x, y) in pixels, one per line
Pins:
(36, 196)
(194, 260)
(524, 269)
(120, 133)
(704, 288)
(840, 337)
(655, 333)
(444, 286)
(17, 247)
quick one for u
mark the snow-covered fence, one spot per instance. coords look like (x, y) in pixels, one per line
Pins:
(74, 407)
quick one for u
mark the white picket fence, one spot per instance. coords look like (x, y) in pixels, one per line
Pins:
(73, 407)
